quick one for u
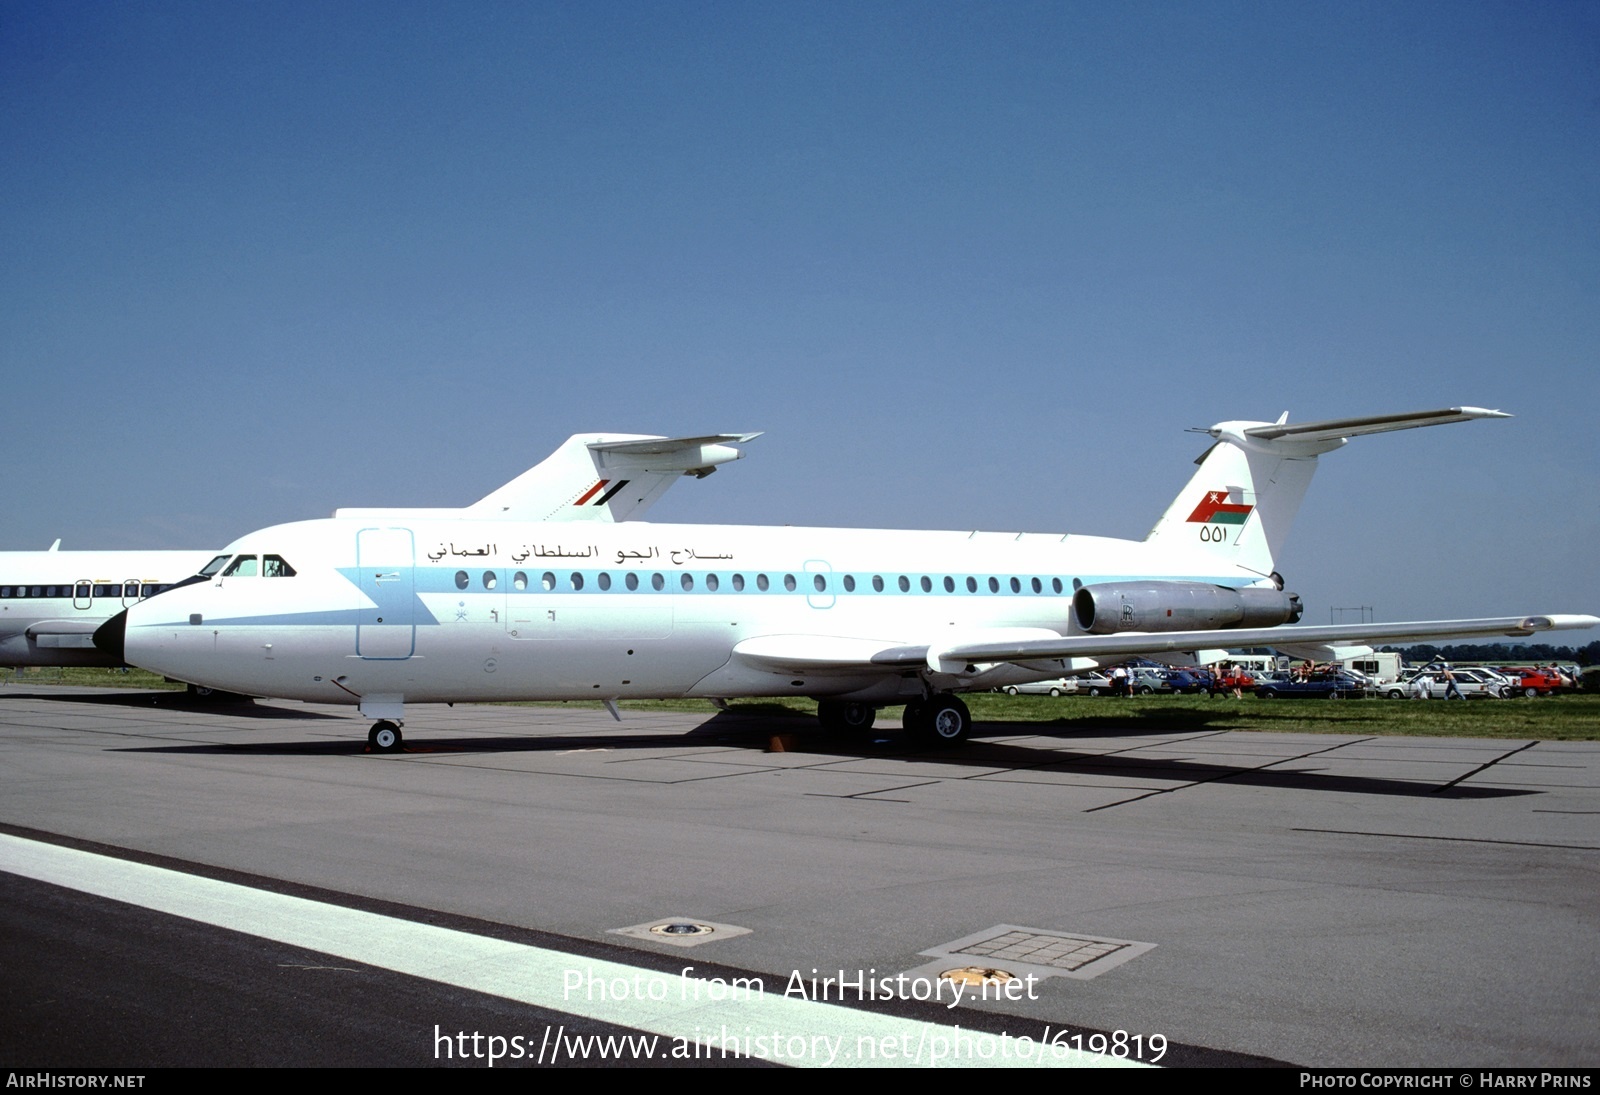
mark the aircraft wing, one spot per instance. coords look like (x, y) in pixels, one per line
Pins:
(954, 658)
(847, 654)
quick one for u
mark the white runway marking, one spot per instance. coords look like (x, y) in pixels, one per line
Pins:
(679, 1008)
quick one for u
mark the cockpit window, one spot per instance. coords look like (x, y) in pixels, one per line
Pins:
(244, 566)
(265, 566)
(214, 565)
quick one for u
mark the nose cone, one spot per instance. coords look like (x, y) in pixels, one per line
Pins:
(111, 637)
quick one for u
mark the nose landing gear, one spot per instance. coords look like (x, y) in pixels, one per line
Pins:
(384, 737)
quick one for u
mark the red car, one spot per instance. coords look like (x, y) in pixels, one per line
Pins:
(1533, 682)
(1224, 683)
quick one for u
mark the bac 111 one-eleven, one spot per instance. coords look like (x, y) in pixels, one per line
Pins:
(384, 612)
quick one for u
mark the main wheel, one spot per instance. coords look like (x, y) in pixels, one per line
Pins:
(844, 717)
(942, 720)
(384, 737)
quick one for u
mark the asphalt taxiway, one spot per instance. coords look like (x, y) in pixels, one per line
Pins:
(1305, 899)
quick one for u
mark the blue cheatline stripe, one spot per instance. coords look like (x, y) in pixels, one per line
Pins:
(543, 978)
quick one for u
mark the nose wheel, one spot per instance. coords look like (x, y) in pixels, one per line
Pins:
(384, 737)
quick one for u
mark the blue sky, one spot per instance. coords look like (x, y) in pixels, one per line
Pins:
(969, 265)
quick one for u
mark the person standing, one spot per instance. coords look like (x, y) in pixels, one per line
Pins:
(1451, 692)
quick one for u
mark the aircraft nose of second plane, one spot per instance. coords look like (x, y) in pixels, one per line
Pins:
(111, 636)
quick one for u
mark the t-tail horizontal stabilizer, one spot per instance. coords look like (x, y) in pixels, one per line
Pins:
(1238, 507)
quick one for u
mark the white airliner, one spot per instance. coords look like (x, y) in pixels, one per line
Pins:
(381, 613)
(52, 601)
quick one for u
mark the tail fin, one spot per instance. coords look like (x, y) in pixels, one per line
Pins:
(1239, 506)
(606, 477)
(591, 477)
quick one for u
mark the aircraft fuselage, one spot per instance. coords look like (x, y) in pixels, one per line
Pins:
(498, 610)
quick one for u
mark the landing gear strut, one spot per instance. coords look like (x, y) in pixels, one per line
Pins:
(938, 720)
(384, 737)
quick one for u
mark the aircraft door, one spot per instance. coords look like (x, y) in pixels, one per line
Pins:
(819, 579)
(83, 594)
(386, 629)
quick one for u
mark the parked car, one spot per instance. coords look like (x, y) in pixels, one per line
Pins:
(1225, 683)
(1321, 684)
(1532, 681)
(1094, 682)
(1060, 686)
(1471, 682)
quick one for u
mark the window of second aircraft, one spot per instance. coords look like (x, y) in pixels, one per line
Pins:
(949, 584)
(604, 581)
(686, 581)
(520, 579)
(548, 581)
(927, 584)
(657, 582)
(711, 582)
(849, 583)
(738, 583)
(762, 583)
(631, 581)
(463, 579)
(577, 580)
(788, 582)
(972, 584)
(905, 584)
(489, 579)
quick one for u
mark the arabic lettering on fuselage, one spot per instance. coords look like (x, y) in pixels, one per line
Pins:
(679, 556)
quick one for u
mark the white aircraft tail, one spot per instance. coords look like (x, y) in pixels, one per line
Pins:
(606, 477)
(591, 477)
(1238, 507)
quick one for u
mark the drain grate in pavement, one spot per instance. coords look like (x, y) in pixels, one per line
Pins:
(1046, 953)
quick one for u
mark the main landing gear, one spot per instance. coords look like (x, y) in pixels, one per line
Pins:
(937, 720)
(844, 717)
(384, 737)
(940, 719)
